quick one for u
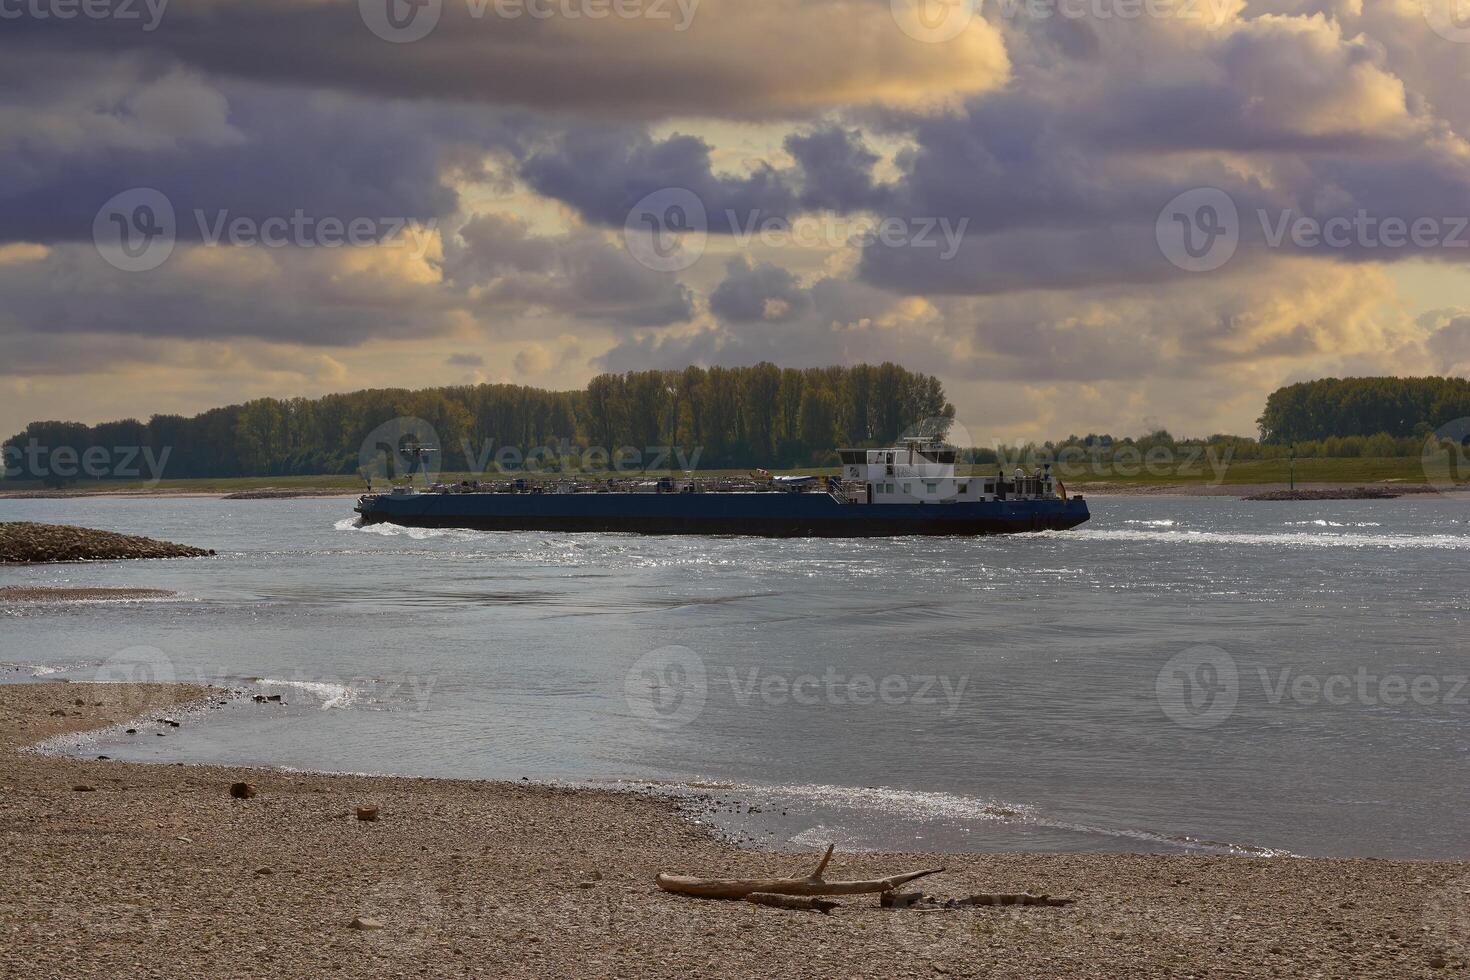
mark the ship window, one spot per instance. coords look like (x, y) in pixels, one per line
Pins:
(932, 487)
(964, 488)
(908, 488)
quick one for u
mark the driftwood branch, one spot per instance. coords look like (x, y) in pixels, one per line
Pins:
(920, 902)
(812, 884)
(797, 903)
(1025, 899)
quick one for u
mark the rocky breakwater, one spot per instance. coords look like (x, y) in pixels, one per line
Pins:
(22, 542)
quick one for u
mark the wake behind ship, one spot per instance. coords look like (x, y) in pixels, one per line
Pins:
(912, 489)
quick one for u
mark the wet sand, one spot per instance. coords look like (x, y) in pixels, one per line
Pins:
(156, 871)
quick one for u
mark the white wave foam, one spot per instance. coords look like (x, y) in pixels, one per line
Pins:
(39, 670)
(331, 695)
(389, 530)
(909, 804)
(1322, 523)
(1293, 539)
(1153, 523)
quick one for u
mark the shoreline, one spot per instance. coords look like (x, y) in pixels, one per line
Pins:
(1094, 489)
(156, 868)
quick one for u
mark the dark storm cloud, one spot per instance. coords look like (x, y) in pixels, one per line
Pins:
(239, 151)
(758, 292)
(836, 169)
(746, 59)
(603, 172)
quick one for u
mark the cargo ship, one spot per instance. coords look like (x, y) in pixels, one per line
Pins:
(904, 490)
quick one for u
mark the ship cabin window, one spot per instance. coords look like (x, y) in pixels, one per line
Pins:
(964, 488)
(932, 487)
(908, 488)
(853, 457)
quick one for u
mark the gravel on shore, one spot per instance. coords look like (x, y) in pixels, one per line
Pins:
(119, 870)
(26, 593)
(1345, 493)
(22, 542)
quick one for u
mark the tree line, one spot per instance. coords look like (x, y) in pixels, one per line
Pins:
(735, 417)
(1344, 408)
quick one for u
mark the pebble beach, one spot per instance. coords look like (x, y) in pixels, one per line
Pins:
(127, 870)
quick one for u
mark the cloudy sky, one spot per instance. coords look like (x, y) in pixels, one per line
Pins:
(1083, 215)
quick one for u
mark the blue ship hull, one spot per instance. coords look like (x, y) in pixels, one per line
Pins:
(760, 514)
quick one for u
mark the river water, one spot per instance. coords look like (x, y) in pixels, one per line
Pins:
(1179, 674)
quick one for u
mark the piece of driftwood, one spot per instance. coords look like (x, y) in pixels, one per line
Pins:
(812, 884)
(920, 902)
(797, 903)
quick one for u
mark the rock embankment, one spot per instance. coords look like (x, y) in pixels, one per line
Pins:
(22, 542)
(1342, 493)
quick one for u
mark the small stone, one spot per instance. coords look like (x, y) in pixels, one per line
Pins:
(84, 788)
(265, 871)
(80, 703)
(274, 697)
(363, 923)
(59, 713)
(242, 791)
(132, 731)
(367, 814)
(1438, 962)
(586, 884)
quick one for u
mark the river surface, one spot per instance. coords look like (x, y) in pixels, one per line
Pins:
(1179, 674)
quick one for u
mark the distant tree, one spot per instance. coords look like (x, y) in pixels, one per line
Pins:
(1399, 407)
(738, 417)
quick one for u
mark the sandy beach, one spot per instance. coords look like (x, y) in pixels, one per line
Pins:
(123, 870)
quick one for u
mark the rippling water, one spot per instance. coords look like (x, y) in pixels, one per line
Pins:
(1182, 673)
